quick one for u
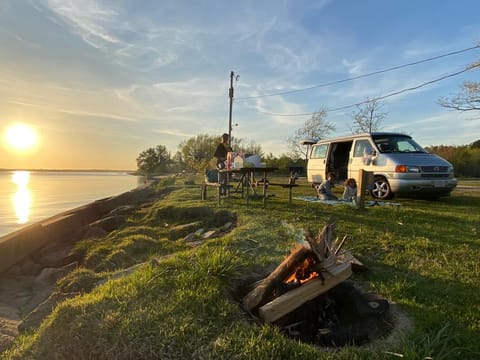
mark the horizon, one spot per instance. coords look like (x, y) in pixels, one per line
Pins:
(95, 83)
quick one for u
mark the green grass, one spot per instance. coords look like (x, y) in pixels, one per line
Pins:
(423, 256)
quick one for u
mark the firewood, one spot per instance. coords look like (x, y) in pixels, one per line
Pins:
(291, 300)
(260, 294)
(357, 265)
(339, 247)
(317, 245)
(321, 244)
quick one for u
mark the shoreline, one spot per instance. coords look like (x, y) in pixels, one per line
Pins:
(33, 258)
(19, 243)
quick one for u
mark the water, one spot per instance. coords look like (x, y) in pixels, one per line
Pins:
(30, 196)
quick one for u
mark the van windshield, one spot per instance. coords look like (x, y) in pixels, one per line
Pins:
(396, 144)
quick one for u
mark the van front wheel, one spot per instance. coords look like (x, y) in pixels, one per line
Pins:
(381, 188)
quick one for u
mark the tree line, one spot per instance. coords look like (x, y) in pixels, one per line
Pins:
(465, 158)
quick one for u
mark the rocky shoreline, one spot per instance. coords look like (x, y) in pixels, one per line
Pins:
(32, 259)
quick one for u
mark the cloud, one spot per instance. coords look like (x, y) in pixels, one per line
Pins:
(90, 19)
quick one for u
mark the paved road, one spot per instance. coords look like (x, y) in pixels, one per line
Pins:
(468, 188)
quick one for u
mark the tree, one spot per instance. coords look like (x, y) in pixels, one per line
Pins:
(475, 144)
(468, 99)
(250, 148)
(369, 117)
(153, 160)
(317, 127)
(197, 152)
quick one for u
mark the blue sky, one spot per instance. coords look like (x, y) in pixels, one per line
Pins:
(100, 81)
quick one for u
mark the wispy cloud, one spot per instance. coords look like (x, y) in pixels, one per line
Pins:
(90, 19)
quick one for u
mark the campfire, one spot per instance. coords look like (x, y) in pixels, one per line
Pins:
(308, 294)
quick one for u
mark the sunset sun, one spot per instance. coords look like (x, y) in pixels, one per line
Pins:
(20, 137)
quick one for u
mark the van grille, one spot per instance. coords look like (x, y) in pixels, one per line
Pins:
(444, 175)
(434, 169)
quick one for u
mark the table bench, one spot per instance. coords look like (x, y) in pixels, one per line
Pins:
(290, 185)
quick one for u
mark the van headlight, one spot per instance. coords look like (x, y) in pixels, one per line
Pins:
(450, 169)
(407, 169)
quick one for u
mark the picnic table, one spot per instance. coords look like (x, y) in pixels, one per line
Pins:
(247, 181)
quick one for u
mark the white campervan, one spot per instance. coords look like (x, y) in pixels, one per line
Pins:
(399, 164)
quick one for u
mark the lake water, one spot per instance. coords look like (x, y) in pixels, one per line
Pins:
(30, 196)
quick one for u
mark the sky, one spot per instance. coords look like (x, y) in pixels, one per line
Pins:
(100, 81)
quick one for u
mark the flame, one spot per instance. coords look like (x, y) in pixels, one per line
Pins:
(303, 273)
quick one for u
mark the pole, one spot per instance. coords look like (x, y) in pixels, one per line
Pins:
(230, 95)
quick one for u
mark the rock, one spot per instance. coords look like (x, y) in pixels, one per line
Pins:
(36, 316)
(110, 223)
(8, 331)
(227, 226)
(190, 237)
(56, 256)
(25, 267)
(93, 231)
(123, 210)
(182, 230)
(199, 232)
(209, 234)
(51, 275)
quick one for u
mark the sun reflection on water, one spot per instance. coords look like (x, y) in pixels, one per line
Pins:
(22, 199)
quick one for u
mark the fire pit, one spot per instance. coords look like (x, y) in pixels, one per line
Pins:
(309, 297)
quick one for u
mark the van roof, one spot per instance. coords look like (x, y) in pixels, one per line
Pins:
(356, 136)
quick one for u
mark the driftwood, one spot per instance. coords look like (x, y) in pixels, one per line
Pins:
(259, 295)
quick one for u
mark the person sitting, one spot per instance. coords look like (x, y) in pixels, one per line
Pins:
(324, 190)
(350, 191)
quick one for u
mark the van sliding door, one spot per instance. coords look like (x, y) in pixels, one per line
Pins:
(360, 157)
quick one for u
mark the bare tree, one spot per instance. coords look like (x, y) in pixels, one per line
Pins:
(317, 127)
(369, 117)
(468, 98)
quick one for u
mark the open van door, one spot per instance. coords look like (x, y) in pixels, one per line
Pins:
(360, 157)
(317, 162)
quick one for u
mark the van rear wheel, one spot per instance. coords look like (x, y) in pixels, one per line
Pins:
(381, 188)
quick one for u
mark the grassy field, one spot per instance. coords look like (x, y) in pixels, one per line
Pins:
(181, 304)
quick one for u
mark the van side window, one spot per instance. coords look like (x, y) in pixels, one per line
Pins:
(362, 148)
(319, 151)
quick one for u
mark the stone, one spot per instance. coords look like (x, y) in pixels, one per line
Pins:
(209, 234)
(182, 230)
(93, 231)
(110, 223)
(56, 256)
(190, 237)
(51, 275)
(36, 316)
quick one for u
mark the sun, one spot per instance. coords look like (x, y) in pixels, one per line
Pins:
(20, 137)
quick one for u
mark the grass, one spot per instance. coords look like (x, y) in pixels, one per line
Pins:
(181, 304)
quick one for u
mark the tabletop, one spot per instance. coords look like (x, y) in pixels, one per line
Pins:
(248, 169)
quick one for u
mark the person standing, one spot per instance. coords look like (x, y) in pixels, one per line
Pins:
(220, 156)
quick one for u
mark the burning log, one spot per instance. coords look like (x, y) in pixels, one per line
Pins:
(311, 270)
(291, 300)
(260, 294)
